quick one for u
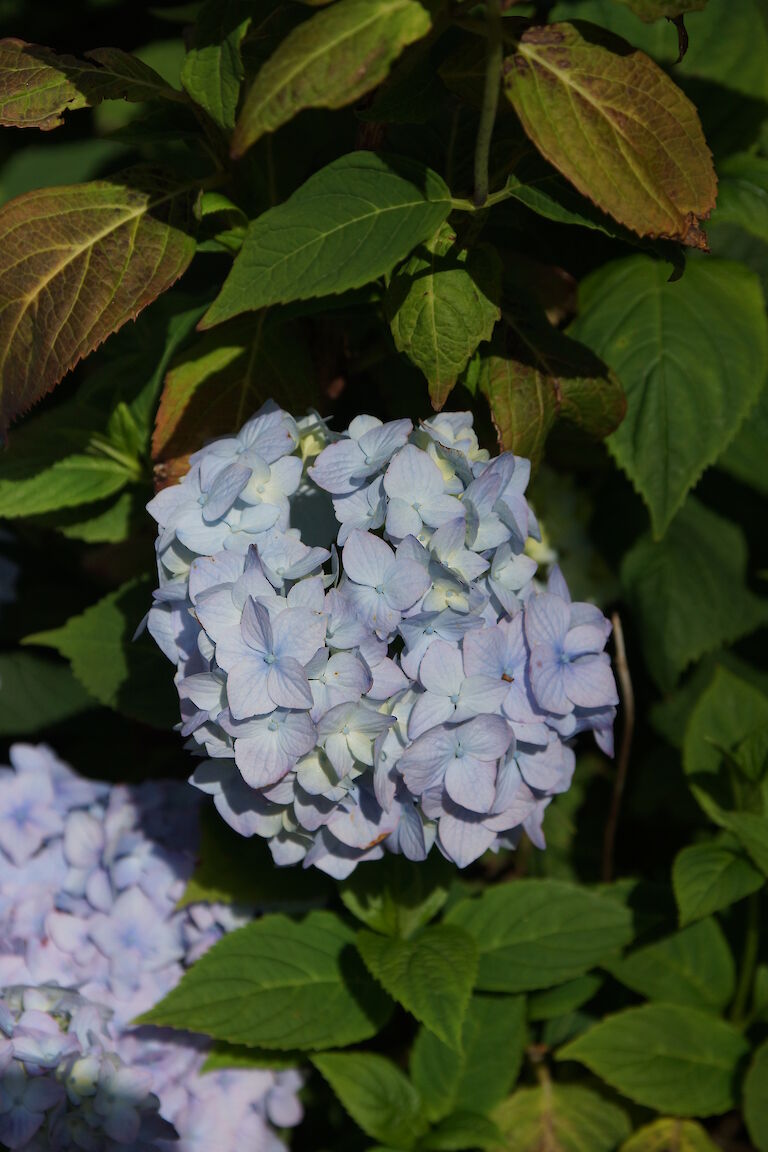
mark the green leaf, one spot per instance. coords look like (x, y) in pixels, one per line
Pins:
(670, 1135)
(348, 224)
(476, 1078)
(728, 43)
(693, 967)
(462, 1130)
(223, 377)
(560, 1118)
(78, 262)
(278, 984)
(712, 876)
(727, 712)
(37, 85)
(756, 1098)
(752, 831)
(221, 1056)
(744, 458)
(536, 933)
(692, 357)
(666, 1057)
(329, 61)
(565, 998)
(35, 694)
(129, 676)
(376, 1094)
(688, 591)
(616, 126)
(213, 68)
(441, 304)
(77, 479)
(401, 897)
(235, 870)
(431, 975)
(545, 192)
(532, 374)
(107, 522)
(742, 194)
(650, 10)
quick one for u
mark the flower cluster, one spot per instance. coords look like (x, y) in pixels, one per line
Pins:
(62, 1085)
(90, 879)
(403, 680)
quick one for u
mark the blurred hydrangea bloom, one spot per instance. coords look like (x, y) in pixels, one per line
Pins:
(363, 653)
(62, 1084)
(90, 879)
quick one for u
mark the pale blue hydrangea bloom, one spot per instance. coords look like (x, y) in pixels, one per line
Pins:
(64, 1086)
(90, 904)
(398, 681)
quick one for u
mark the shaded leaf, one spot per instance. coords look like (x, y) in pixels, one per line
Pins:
(330, 60)
(670, 1135)
(36, 693)
(726, 713)
(560, 1118)
(688, 591)
(712, 876)
(221, 1056)
(129, 676)
(650, 10)
(751, 828)
(401, 897)
(742, 194)
(278, 984)
(222, 378)
(666, 1057)
(693, 967)
(461, 1130)
(37, 86)
(692, 357)
(235, 870)
(213, 68)
(536, 933)
(616, 126)
(108, 522)
(756, 1098)
(431, 975)
(565, 998)
(376, 1094)
(441, 304)
(478, 1076)
(744, 458)
(348, 224)
(77, 263)
(533, 374)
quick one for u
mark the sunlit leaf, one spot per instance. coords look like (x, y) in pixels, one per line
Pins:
(611, 121)
(77, 263)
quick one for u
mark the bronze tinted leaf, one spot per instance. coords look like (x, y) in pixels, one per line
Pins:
(616, 126)
(534, 375)
(37, 86)
(650, 10)
(221, 379)
(329, 61)
(76, 263)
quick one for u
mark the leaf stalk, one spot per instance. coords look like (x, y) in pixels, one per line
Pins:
(494, 61)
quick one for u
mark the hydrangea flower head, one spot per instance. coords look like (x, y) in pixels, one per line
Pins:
(400, 680)
(90, 937)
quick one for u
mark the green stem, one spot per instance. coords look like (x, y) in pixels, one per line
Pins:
(493, 66)
(739, 1009)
